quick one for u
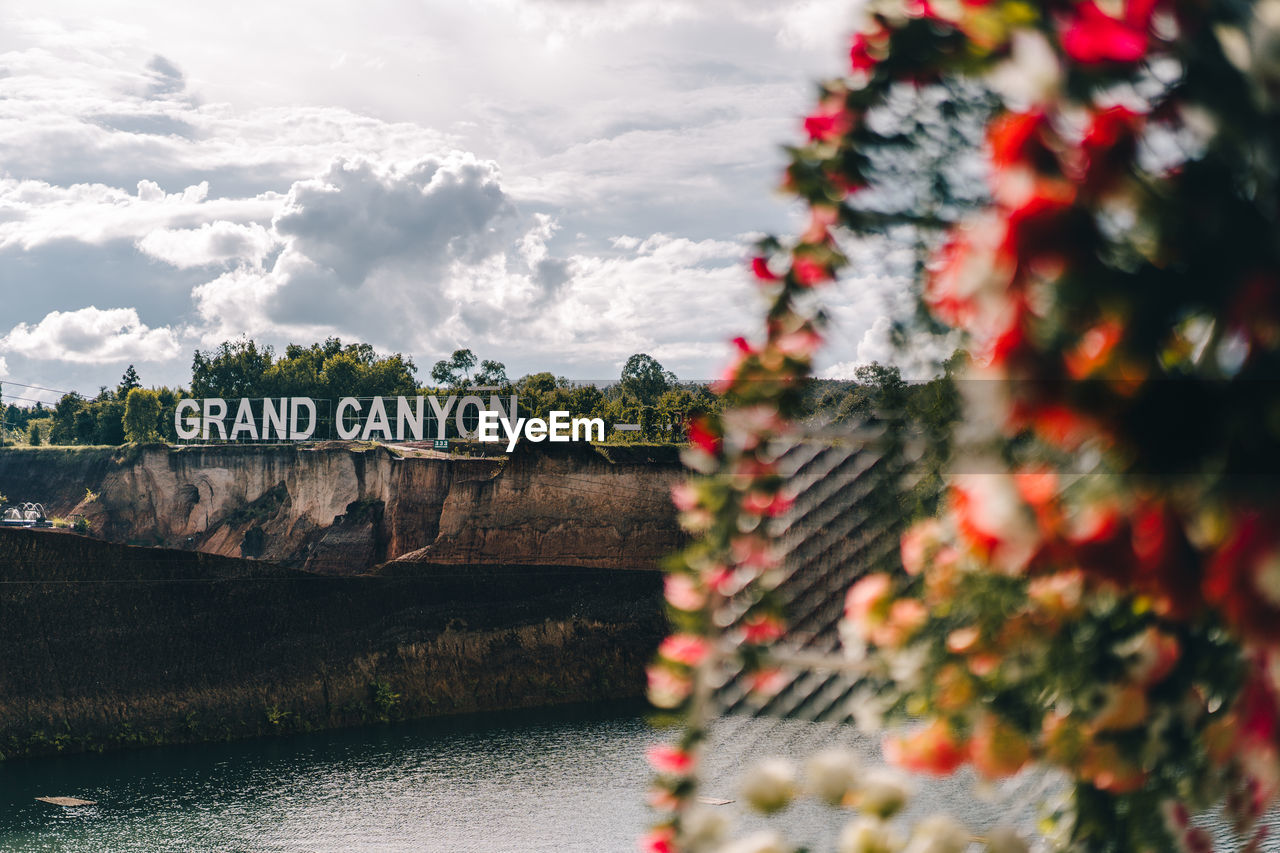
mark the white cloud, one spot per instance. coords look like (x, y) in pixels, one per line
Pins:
(364, 247)
(313, 180)
(677, 299)
(435, 255)
(91, 335)
(4, 367)
(921, 358)
(35, 213)
(219, 242)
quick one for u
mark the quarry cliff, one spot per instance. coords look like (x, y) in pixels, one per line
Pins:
(342, 508)
(107, 646)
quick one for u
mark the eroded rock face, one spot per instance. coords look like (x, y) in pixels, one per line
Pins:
(243, 648)
(334, 508)
(569, 509)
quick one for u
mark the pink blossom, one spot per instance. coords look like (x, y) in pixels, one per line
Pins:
(703, 436)
(684, 495)
(868, 598)
(762, 503)
(1091, 36)
(663, 800)
(667, 689)
(802, 344)
(906, 617)
(916, 542)
(768, 682)
(753, 552)
(830, 122)
(721, 580)
(683, 593)
(686, 649)
(809, 272)
(997, 749)
(660, 840)
(932, 749)
(762, 628)
(760, 267)
(671, 760)
(992, 518)
(860, 58)
(963, 640)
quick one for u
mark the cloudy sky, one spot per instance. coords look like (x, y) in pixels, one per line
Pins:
(556, 184)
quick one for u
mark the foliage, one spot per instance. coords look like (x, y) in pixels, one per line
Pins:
(128, 382)
(384, 699)
(645, 379)
(1119, 290)
(64, 419)
(332, 370)
(455, 371)
(234, 369)
(493, 374)
(141, 415)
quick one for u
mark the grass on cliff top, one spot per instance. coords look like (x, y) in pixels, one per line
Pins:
(620, 452)
(75, 452)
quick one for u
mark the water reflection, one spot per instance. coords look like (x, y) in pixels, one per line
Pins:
(564, 780)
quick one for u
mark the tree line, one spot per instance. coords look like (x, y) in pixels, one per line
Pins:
(645, 394)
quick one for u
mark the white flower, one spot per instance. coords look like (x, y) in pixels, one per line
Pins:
(1255, 50)
(868, 835)
(906, 666)
(1030, 74)
(883, 792)
(938, 834)
(1235, 46)
(771, 785)
(867, 707)
(1004, 839)
(760, 842)
(704, 827)
(852, 641)
(1265, 38)
(831, 774)
(1266, 578)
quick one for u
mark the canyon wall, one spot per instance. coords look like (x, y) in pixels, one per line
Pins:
(342, 508)
(104, 645)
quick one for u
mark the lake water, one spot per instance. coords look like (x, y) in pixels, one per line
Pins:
(563, 780)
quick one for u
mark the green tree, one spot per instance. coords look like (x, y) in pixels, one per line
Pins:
(127, 383)
(234, 369)
(108, 416)
(456, 370)
(64, 419)
(85, 425)
(330, 370)
(648, 423)
(492, 373)
(33, 435)
(141, 413)
(645, 379)
(169, 398)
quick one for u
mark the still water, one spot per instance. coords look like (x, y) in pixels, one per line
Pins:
(565, 780)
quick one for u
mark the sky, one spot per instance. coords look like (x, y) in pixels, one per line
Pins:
(554, 184)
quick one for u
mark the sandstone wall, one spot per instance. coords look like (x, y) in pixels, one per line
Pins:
(338, 508)
(105, 646)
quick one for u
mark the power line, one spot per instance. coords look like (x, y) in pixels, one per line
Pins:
(36, 387)
(24, 399)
